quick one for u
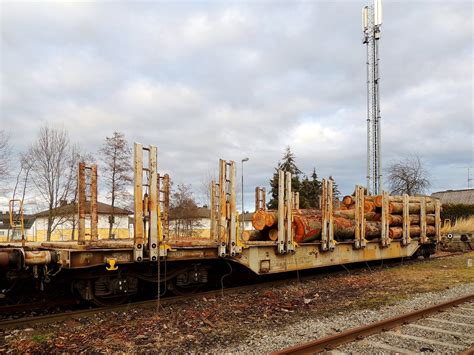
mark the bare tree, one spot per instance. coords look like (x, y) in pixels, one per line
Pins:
(408, 176)
(21, 182)
(184, 211)
(205, 188)
(116, 155)
(52, 160)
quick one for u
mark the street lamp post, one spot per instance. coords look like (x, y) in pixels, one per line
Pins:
(242, 214)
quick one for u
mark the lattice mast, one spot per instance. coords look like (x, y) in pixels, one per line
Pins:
(371, 23)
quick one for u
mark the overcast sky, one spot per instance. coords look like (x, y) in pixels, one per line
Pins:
(215, 79)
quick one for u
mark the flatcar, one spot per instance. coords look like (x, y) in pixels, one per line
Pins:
(364, 228)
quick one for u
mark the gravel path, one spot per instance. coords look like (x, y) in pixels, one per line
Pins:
(309, 328)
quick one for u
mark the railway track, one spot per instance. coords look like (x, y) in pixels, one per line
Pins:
(22, 321)
(443, 328)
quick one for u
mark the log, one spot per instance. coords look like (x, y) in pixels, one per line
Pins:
(378, 199)
(271, 218)
(308, 229)
(413, 207)
(397, 219)
(350, 214)
(415, 231)
(348, 200)
(253, 235)
(258, 220)
(273, 234)
(369, 206)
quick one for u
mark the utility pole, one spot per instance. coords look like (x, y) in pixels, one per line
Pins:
(371, 23)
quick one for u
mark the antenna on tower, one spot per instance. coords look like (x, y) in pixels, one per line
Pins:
(371, 23)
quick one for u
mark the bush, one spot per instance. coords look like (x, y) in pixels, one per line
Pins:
(454, 211)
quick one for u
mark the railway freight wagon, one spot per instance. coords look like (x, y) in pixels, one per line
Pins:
(365, 228)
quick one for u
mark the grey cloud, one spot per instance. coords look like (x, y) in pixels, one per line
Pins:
(214, 79)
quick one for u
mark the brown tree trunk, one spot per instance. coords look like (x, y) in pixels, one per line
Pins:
(350, 214)
(271, 218)
(253, 235)
(348, 200)
(415, 231)
(273, 234)
(413, 207)
(397, 219)
(258, 220)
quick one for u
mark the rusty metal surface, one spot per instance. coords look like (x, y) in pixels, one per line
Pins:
(38, 257)
(212, 231)
(138, 227)
(4, 259)
(153, 204)
(166, 206)
(89, 258)
(82, 202)
(332, 341)
(93, 210)
(308, 256)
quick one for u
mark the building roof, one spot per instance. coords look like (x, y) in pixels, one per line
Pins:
(71, 208)
(465, 196)
(28, 220)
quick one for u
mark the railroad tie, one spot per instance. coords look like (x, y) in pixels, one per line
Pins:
(387, 347)
(425, 340)
(438, 330)
(450, 322)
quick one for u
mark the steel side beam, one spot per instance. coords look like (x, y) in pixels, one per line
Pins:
(138, 229)
(93, 206)
(281, 212)
(82, 203)
(153, 203)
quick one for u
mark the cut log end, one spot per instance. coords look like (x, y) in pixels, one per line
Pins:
(258, 220)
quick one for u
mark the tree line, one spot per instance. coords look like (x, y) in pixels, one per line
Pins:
(48, 171)
(308, 187)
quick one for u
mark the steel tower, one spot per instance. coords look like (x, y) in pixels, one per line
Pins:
(371, 23)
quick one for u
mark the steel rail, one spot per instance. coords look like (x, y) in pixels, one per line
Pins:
(332, 341)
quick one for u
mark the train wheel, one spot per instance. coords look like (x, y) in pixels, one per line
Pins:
(110, 301)
(184, 290)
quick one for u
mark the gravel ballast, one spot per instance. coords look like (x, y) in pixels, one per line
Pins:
(261, 319)
(311, 329)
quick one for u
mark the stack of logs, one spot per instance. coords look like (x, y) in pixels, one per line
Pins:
(307, 223)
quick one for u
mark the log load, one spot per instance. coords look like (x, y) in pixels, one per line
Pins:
(307, 223)
(397, 219)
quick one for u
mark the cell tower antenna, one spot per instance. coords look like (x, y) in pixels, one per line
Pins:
(371, 23)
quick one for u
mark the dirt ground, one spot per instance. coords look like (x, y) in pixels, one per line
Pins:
(200, 324)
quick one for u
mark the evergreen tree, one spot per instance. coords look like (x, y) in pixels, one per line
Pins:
(310, 191)
(287, 163)
(309, 188)
(336, 194)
